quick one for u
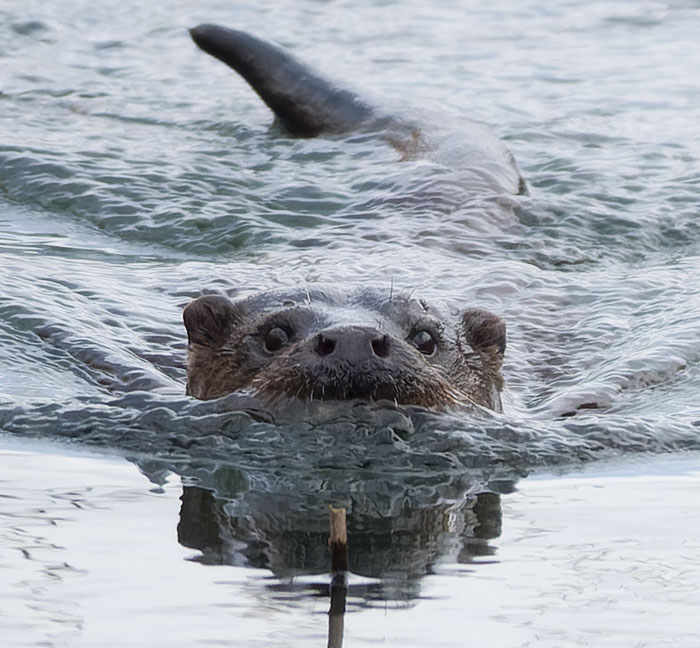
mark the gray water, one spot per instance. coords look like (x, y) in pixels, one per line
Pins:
(137, 173)
(604, 558)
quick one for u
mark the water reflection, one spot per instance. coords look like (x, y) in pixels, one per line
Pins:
(288, 542)
(248, 518)
(400, 526)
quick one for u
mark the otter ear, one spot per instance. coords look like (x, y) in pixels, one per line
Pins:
(483, 330)
(209, 320)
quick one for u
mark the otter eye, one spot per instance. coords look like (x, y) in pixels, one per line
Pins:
(275, 339)
(424, 342)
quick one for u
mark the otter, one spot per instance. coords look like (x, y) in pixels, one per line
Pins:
(331, 345)
(308, 105)
(327, 345)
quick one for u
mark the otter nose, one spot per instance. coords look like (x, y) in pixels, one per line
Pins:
(352, 343)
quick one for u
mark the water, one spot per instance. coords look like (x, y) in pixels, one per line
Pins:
(590, 559)
(137, 173)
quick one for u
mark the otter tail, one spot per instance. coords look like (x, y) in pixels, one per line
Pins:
(305, 103)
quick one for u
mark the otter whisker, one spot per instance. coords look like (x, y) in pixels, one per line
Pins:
(312, 360)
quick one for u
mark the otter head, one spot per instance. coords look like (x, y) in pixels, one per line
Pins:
(324, 345)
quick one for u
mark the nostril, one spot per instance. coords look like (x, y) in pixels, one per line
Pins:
(380, 346)
(324, 345)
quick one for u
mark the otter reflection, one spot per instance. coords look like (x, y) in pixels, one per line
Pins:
(398, 542)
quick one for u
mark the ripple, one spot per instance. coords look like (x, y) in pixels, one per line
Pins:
(136, 176)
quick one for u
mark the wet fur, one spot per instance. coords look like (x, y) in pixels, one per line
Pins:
(226, 351)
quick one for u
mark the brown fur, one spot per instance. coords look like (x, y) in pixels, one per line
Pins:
(337, 346)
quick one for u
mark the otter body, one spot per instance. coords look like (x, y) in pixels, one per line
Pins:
(329, 345)
(308, 105)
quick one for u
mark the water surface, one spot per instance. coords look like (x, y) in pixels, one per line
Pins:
(590, 559)
(137, 173)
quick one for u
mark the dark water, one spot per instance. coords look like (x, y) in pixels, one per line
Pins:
(137, 173)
